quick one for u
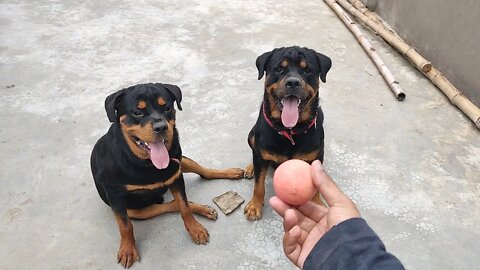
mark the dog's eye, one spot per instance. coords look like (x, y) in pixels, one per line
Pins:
(138, 113)
(278, 70)
(307, 70)
(168, 108)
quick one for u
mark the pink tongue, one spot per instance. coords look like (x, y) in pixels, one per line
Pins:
(159, 155)
(290, 112)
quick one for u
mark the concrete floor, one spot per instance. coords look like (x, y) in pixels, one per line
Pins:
(412, 167)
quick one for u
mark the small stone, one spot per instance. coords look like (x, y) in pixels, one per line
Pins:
(228, 201)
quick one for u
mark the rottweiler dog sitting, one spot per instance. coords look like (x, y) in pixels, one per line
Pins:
(140, 158)
(289, 124)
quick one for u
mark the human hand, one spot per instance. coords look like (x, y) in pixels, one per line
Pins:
(306, 224)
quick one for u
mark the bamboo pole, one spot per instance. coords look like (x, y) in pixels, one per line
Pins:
(455, 96)
(407, 50)
(367, 46)
(358, 4)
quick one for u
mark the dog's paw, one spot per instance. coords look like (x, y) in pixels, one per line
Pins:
(248, 172)
(209, 212)
(234, 173)
(198, 233)
(253, 210)
(127, 254)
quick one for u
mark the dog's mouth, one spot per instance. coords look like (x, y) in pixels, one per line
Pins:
(145, 146)
(157, 151)
(291, 106)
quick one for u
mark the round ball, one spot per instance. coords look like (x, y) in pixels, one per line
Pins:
(293, 183)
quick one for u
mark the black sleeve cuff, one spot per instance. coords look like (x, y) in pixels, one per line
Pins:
(351, 244)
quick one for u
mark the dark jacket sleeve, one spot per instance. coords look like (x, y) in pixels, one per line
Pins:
(352, 244)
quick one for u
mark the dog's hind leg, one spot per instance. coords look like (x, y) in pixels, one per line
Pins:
(170, 207)
(249, 171)
(188, 165)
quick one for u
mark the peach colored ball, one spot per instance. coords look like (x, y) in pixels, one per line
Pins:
(292, 182)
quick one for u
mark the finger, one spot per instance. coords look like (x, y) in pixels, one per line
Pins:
(325, 185)
(313, 211)
(279, 206)
(290, 220)
(293, 217)
(308, 245)
(291, 247)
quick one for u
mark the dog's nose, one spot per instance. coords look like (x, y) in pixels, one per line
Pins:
(293, 82)
(160, 127)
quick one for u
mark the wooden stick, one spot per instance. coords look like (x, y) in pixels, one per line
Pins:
(358, 4)
(420, 62)
(454, 95)
(367, 46)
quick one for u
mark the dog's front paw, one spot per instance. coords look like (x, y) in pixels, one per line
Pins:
(198, 233)
(254, 210)
(127, 254)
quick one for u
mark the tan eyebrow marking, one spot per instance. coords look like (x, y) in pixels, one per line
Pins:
(161, 101)
(141, 105)
(303, 64)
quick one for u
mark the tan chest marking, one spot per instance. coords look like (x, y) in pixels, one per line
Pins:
(308, 157)
(168, 182)
(273, 157)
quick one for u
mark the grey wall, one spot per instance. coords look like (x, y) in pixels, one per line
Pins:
(446, 32)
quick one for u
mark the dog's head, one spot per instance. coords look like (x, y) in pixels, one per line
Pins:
(146, 116)
(292, 82)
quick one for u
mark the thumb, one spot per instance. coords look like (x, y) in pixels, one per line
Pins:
(327, 188)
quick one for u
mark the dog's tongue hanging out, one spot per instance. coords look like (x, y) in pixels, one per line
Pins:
(290, 112)
(159, 155)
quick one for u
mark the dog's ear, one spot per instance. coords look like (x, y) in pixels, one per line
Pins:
(324, 64)
(176, 94)
(262, 61)
(112, 102)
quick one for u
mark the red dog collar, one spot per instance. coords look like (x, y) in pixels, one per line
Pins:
(290, 132)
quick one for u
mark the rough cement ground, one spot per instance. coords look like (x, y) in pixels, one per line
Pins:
(412, 167)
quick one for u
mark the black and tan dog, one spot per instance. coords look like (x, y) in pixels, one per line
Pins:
(140, 158)
(289, 125)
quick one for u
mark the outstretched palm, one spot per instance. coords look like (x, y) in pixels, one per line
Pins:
(306, 224)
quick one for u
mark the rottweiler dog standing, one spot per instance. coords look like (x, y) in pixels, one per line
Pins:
(140, 158)
(289, 125)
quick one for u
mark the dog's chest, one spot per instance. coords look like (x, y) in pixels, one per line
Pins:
(279, 158)
(153, 183)
(277, 149)
(136, 178)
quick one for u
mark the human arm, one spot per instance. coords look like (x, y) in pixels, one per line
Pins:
(309, 225)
